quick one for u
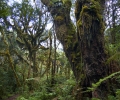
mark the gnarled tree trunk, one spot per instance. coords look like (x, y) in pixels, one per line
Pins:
(90, 29)
(84, 48)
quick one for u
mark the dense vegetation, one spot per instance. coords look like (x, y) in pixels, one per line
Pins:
(34, 65)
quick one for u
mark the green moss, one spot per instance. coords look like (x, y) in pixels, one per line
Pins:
(95, 5)
(89, 14)
(51, 4)
(88, 23)
(71, 28)
(73, 57)
(84, 9)
(59, 18)
(94, 8)
(69, 37)
(67, 3)
(79, 23)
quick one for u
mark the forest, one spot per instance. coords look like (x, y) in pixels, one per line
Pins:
(59, 49)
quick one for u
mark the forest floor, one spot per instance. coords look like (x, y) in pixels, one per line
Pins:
(14, 97)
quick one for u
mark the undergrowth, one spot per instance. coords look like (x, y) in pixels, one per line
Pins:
(61, 90)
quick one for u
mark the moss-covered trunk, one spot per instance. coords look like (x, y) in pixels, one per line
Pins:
(84, 48)
(66, 33)
(90, 27)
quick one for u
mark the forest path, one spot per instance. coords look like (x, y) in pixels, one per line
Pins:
(14, 97)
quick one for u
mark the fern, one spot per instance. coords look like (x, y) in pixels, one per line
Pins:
(95, 85)
(116, 56)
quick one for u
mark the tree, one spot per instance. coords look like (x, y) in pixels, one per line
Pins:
(29, 24)
(4, 9)
(84, 48)
(7, 71)
(112, 18)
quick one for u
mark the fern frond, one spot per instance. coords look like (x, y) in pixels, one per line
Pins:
(116, 56)
(95, 85)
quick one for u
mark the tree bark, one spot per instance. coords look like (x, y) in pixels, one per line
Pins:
(90, 29)
(84, 48)
(53, 70)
